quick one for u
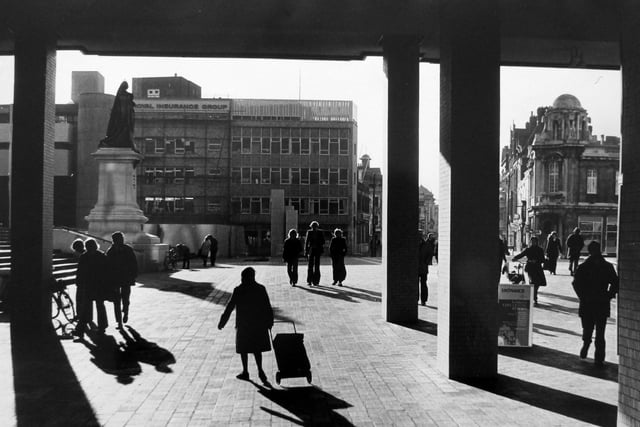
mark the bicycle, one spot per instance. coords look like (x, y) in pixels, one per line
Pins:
(170, 259)
(61, 303)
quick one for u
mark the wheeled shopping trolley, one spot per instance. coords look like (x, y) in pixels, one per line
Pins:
(291, 355)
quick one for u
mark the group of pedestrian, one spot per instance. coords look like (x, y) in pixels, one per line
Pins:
(103, 277)
(313, 250)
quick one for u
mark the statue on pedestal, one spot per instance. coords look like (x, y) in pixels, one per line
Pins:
(121, 121)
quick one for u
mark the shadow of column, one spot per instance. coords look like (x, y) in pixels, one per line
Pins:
(47, 391)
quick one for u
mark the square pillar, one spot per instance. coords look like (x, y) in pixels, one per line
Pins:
(32, 158)
(400, 181)
(629, 220)
(468, 261)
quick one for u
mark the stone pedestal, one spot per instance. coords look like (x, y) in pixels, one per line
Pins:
(117, 209)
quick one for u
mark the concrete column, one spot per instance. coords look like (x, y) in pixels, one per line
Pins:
(277, 222)
(400, 181)
(469, 268)
(32, 157)
(629, 220)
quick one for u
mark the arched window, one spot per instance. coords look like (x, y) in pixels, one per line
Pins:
(554, 175)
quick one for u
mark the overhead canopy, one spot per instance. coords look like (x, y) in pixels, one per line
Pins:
(562, 33)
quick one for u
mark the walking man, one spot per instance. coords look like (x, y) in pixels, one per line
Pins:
(313, 248)
(595, 283)
(123, 267)
(575, 243)
(426, 252)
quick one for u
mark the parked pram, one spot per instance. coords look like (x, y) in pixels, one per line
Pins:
(516, 276)
(291, 355)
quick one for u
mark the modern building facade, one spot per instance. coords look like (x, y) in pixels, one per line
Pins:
(428, 217)
(207, 161)
(557, 175)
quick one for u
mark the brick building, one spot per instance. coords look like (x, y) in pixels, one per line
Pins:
(556, 176)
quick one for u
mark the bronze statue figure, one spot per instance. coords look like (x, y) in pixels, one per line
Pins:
(120, 128)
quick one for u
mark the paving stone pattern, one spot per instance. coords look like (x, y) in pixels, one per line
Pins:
(174, 368)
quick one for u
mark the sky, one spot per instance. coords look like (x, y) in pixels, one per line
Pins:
(523, 90)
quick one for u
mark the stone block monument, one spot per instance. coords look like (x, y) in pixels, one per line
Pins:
(116, 208)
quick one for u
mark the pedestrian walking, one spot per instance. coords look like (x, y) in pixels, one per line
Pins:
(595, 283)
(426, 253)
(91, 279)
(338, 250)
(575, 243)
(82, 298)
(123, 268)
(290, 253)
(533, 267)
(254, 318)
(553, 251)
(213, 250)
(205, 248)
(313, 249)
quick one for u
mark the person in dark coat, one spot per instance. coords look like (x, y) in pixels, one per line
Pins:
(313, 249)
(254, 318)
(290, 253)
(503, 251)
(184, 253)
(204, 250)
(553, 251)
(595, 283)
(426, 253)
(123, 268)
(338, 250)
(533, 267)
(83, 302)
(575, 243)
(91, 280)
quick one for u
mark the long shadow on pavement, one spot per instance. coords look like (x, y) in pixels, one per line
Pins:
(47, 391)
(422, 326)
(108, 355)
(561, 360)
(200, 290)
(311, 405)
(538, 326)
(146, 351)
(570, 405)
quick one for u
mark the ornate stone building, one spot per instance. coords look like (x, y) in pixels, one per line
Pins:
(557, 175)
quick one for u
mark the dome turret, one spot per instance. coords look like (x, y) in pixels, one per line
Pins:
(567, 101)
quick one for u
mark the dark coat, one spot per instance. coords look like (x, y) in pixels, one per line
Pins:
(554, 248)
(292, 249)
(575, 243)
(426, 252)
(338, 247)
(314, 242)
(254, 317)
(595, 283)
(535, 258)
(123, 266)
(92, 276)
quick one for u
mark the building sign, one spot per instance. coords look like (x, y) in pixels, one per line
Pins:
(219, 108)
(515, 323)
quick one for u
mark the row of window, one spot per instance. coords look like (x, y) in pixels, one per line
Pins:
(170, 205)
(294, 145)
(180, 146)
(295, 176)
(304, 205)
(592, 179)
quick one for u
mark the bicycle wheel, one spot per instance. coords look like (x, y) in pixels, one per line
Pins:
(68, 308)
(55, 307)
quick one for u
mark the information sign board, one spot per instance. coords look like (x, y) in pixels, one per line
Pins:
(515, 327)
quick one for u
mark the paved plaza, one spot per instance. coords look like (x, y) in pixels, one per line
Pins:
(173, 367)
